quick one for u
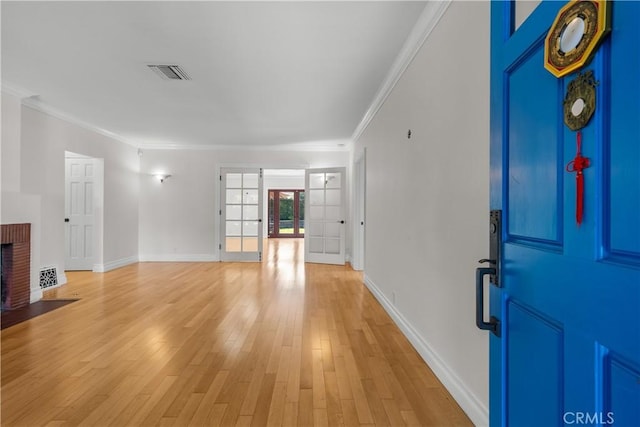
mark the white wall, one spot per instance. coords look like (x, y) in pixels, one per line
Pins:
(34, 191)
(427, 201)
(179, 218)
(16, 207)
(10, 153)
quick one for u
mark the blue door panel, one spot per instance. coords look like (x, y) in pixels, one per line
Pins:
(624, 237)
(624, 393)
(534, 196)
(580, 361)
(586, 300)
(569, 305)
(624, 157)
(535, 354)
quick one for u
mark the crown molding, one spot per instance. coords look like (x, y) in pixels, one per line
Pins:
(31, 100)
(320, 146)
(16, 91)
(429, 18)
(35, 104)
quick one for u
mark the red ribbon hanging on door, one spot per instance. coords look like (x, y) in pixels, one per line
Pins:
(577, 165)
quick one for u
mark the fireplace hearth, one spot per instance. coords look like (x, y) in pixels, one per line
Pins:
(16, 265)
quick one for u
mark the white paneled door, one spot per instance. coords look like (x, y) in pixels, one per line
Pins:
(79, 213)
(324, 240)
(240, 214)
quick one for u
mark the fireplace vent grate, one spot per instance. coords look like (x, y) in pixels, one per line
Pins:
(48, 277)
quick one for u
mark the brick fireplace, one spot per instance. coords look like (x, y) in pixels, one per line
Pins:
(16, 265)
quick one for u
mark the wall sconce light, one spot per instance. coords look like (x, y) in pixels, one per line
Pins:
(161, 176)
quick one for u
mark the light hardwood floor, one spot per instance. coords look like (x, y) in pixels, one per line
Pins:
(205, 344)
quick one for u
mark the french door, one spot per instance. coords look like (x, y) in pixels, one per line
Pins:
(324, 220)
(286, 213)
(241, 214)
(566, 309)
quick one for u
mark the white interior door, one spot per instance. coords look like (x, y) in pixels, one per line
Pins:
(79, 213)
(359, 214)
(324, 240)
(241, 202)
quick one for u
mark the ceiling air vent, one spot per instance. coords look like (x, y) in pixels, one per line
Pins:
(170, 72)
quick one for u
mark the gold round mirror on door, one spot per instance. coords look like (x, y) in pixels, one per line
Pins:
(580, 101)
(575, 34)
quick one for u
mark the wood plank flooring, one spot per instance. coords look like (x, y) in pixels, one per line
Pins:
(277, 343)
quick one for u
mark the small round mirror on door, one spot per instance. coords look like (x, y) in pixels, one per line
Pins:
(578, 107)
(572, 34)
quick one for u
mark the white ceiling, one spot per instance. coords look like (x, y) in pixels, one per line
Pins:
(263, 73)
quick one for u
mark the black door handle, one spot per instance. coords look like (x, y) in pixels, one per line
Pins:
(493, 324)
(66, 220)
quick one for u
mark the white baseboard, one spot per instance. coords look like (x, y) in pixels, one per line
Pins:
(36, 295)
(179, 258)
(62, 278)
(474, 407)
(112, 265)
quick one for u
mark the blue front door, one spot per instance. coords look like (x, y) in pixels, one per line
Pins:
(569, 305)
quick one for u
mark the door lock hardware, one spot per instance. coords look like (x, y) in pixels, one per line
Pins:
(493, 324)
(495, 245)
(493, 271)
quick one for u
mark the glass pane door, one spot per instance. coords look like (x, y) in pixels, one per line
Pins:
(286, 213)
(324, 219)
(241, 201)
(301, 213)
